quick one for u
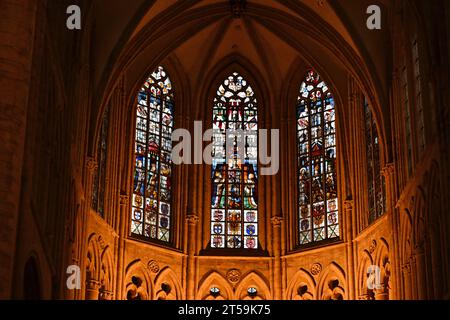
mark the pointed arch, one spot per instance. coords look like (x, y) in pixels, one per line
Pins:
(32, 282)
(318, 208)
(106, 274)
(332, 283)
(302, 286)
(214, 280)
(151, 212)
(365, 262)
(234, 198)
(255, 281)
(167, 285)
(138, 283)
(93, 262)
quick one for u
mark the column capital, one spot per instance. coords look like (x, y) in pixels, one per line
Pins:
(192, 219)
(388, 170)
(92, 284)
(91, 164)
(276, 221)
(348, 204)
(124, 199)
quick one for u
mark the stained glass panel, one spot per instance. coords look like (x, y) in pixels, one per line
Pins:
(316, 148)
(375, 182)
(99, 182)
(234, 202)
(151, 213)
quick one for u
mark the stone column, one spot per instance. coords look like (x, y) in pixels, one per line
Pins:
(17, 27)
(105, 295)
(388, 173)
(421, 273)
(348, 211)
(123, 232)
(92, 289)
(276, 224)
(382, 294)
(406, 271)
(192, 221)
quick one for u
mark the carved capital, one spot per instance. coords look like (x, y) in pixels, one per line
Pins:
(92, 285)
(124, 199)
(192, 219)
(105, 295)
(388, 170)
(234, 275)
(372, 246)
(91, 164)
(276, 221)
(348, 205)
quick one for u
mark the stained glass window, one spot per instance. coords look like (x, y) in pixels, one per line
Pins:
(99, 183)
(234, 202)
(418, 91)
(151, 213)
(375, 181)
(407, 118)
(316, 144)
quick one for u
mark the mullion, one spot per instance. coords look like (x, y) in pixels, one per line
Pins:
(144, 222)
(241, 170)
(227, 124)
(162, 97)
(324, 173)
(242, 182)
(310, 171)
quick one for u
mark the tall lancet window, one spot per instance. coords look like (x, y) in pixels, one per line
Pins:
(316, 144)
(99, 183)
(375, 181)
(234, 202)
(151, 213)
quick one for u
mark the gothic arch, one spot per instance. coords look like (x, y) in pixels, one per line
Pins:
(253, 280)
(383, 261)
(186, 26)
(214, 279)
(216, 75)
(93, 260)
(205, 98)
(106, 274)
(332, 283)
(365, 262)
(302, 286)
(137, 281)
(167, 286)
(32, 279)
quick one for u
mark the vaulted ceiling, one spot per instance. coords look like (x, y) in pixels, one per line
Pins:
(274, 36)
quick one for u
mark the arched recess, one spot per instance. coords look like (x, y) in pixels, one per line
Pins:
(99, 269)
(332, 283)
(214, 279)
(106, 291)
(382, 260)
(406, 251)
(32, 279)
(93, 260)
(256, 281)
(437, 242)
(302, 286)
(167, 286)
(138, 283)
(289, 133)
(365, 261)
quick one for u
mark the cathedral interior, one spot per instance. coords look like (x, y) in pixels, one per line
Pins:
(98, 96)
